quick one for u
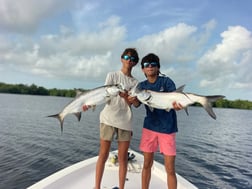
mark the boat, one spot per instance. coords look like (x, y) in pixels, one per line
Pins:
(82, 174)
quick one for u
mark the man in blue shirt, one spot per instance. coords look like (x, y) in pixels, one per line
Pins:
(160, 126)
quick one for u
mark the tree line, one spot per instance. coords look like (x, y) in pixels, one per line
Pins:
(38, 90)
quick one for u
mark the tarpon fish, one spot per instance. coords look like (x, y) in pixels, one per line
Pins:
(91, 98)
(165, 100)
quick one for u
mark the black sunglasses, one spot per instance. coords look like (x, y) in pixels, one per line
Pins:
(151, 64)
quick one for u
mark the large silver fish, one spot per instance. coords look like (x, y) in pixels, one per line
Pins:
(91, 98)
(165, 100)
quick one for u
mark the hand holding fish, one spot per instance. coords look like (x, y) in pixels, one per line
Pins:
(133, 100)
(177, 106)
(85, 107)
(130, 99)
(125, 95)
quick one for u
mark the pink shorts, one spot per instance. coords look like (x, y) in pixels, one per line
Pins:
(151, 140)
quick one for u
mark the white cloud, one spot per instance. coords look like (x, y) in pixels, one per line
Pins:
(181, 43)
(68, 54)
(178, 48)
(229, 63)
(83, 40)
(26, 15)
(110, 33)
(172, 43)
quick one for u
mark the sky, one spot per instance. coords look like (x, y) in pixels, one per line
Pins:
(68, 44)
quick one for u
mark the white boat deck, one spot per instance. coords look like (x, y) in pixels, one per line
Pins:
(82, 175)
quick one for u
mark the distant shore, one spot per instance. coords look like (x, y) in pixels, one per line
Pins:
(38, 90)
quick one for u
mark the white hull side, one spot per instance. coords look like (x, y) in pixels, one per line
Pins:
(81, 176)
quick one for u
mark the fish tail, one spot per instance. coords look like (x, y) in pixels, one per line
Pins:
(60, 118)
(214, 98)
(206, 103)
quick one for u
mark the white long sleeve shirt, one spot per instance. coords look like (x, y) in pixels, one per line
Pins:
(118, 113)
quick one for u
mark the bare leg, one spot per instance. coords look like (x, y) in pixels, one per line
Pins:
(146, 172)
(103, 156)
(123, 147)
(170, 170)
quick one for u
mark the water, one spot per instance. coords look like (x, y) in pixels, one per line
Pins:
(211, 154)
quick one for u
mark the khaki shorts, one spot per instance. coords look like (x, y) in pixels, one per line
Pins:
(108, 132)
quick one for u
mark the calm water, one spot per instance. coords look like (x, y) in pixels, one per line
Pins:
(210, 154)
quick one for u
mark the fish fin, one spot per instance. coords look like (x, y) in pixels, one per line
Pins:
(121, 87)
(78, 93)
(108, 101)
(93, 108)
(186, 110)
(151, 108)
(60, 118)
(180, 89)
(206, 103)
(134, 90)
(78, 115)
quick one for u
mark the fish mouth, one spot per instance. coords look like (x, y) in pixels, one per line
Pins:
(121, 87)
(148, 98)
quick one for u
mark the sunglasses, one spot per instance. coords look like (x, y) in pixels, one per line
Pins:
(151, 64)
(127, 57)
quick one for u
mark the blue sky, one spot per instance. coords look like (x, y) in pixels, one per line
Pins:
(204, 44)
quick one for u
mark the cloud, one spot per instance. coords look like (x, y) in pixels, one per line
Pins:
(82, 41)
(178, 48)
(229, 62)
(67, 54)
(24, 16)
(107, 36)
(180, 43)
(170, 42)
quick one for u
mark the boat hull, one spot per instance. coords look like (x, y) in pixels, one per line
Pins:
(81, 175)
